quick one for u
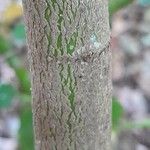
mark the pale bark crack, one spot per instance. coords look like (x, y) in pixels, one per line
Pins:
(85, 56)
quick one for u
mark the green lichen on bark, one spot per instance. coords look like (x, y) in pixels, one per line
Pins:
(70, 47)
(71, 44)
(48, 33)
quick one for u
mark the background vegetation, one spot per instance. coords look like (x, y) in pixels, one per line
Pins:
(15, 96)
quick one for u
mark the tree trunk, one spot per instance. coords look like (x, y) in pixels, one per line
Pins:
(70, 58)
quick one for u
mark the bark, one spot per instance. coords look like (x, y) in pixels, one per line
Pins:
(68, 42)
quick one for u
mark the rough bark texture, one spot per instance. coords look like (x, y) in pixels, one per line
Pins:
(69, 53)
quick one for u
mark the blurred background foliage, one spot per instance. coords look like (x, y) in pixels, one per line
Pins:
(15, 96)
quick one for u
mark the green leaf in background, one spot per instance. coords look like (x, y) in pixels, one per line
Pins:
(18, 34)
(117, 112)
(24, 79)
(145, 123)
(4, 45)
(115, 5)
(21, 73)
(26, 131)
(25, 97)
(144, 2)
(7, 93)
(19, 31)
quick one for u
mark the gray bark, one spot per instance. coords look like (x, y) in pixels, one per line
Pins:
(68, 42)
